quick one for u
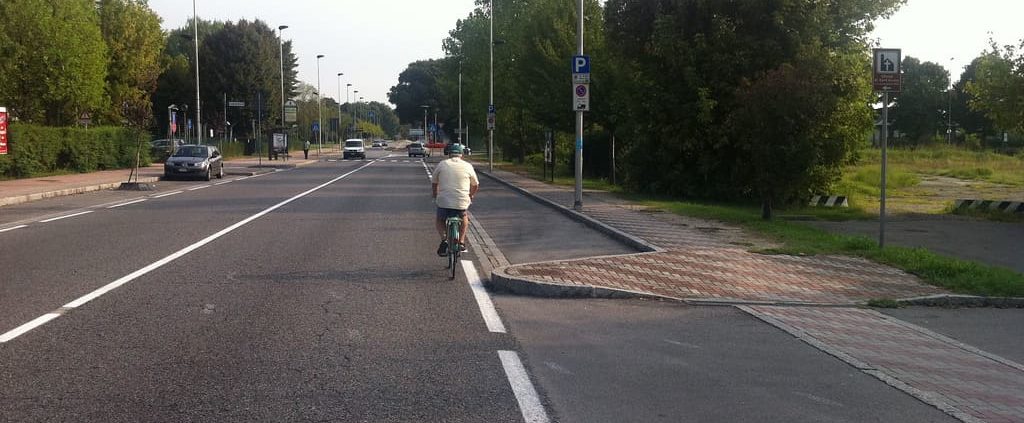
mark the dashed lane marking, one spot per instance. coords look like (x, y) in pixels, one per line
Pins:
(483, 300)
(125, 204)
(39, 321)
(65, 216)
(13, 228)
(167, 194)
(526, 394)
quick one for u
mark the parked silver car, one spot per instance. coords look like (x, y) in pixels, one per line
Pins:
(204, 161)
(417, 149)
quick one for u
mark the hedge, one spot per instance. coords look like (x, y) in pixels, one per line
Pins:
(39, 150)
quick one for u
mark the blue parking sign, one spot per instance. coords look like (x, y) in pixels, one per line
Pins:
(581, 64)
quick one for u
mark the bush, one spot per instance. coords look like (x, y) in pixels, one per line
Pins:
(39, 150)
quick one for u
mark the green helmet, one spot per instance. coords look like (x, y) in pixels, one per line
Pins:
(455, 149)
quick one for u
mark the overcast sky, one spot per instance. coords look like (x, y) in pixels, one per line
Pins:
(372, 41)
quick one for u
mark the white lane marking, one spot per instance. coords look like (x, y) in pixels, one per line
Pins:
(65, 216)
(13, 228)
(157, 264)
(125, 204)
(20, 330)
(168, 194)
(483, 300)
(526, 394)
(223, 182)
(243, 178)
(198, 187)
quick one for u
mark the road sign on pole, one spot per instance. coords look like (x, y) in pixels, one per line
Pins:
(581, 69)
(581, 97)
(492, 117)
(3, 130)
(291, 112)
(886, 75)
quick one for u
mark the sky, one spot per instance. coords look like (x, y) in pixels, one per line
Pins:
(371, 42)
(951, 33)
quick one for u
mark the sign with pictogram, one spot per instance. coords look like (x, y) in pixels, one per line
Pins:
(291, 112)
(581, 98)
(3, 130)
(84, 119)
(885, 70)
(492, 117)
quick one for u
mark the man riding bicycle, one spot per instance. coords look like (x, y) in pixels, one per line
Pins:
(454, 184)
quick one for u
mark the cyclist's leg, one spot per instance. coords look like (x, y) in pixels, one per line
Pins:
(465, 227)
(439, 218)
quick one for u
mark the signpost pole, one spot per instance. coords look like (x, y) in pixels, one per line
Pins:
(885, 142)
(578, 203)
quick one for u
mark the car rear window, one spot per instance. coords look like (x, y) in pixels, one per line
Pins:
(190, 151)
(353, 143)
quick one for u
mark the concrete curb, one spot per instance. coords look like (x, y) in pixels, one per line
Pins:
(69, 191)
(954, 300)
(630, 240)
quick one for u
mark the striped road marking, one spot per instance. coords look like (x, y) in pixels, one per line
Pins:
(125, 204)
(65, 217)
(39, 321)
(483, 300)
(526, 394)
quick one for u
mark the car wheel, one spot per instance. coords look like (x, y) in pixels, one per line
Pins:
(220, 174)
(209, 174)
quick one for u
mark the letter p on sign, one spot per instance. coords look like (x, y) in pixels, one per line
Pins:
(581, 64)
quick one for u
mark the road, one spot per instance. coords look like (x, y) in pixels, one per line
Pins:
(313, 294)
(329, 307)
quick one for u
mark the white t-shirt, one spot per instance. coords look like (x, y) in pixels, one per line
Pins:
(453, 178)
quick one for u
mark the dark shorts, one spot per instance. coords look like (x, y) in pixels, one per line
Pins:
(443, 213)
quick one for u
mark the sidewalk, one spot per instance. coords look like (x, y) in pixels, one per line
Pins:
(17, 191)
(817, 299)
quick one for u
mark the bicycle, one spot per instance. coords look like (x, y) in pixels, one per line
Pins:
(454, 224)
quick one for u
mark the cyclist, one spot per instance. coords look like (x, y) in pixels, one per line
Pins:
(454, 184)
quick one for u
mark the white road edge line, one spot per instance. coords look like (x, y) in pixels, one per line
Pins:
(18, 331)
(483, 300)
(223, 182)
(13, 228)
(125, 204)
(65, 216)
(526, 394)
(198, 187)
(167, 195)
(155, 265)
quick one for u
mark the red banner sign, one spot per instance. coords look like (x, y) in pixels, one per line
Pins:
(3, 130)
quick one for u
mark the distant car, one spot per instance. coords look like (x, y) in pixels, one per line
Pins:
(354, 148)
(417, 149)
(448, 148)
(204, 161)
(162, 144)
(378, 144)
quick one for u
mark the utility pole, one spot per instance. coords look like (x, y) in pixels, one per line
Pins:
(199, 108)
(578, 203)
(490, 136)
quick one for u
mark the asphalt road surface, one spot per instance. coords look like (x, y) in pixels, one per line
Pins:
(329, 307)
(313, 294)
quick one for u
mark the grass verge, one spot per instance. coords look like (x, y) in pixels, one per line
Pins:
(960, 276)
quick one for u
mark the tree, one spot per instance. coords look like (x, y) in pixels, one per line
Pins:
(694, 64)
(998, 90)
(135, 41)
(921, 106)
(417, 86)
(54, 59)
(970, 120)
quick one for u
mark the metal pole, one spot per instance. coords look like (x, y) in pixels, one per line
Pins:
(280, 44)
(199, 109)
(338, 134)
(578, 204)
(320, 110)
(225, 117)
(885, 144)
(347, 87)
(490, 135)
(460, 104)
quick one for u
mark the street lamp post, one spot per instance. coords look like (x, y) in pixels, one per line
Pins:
(949, 110)
(425, 107)
(280, 44)
(339, 107)
(347, 101)
(320, 109)
(199, 110)
(355, 125)
(490, 136)
(460, 105)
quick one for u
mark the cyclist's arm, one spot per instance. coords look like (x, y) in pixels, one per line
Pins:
(434, 188)
(473, 189)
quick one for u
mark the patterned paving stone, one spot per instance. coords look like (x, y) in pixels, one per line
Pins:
(961, 380)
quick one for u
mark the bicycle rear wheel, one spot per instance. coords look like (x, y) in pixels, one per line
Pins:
(453, 245)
